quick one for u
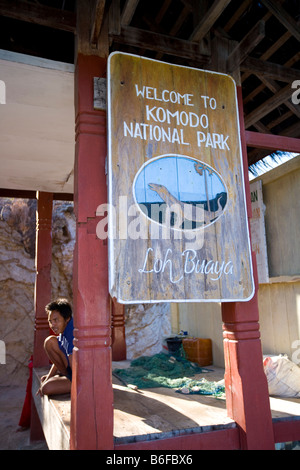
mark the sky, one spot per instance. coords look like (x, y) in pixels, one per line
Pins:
(270, 164)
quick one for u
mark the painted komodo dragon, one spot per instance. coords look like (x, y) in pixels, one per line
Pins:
(187, 211)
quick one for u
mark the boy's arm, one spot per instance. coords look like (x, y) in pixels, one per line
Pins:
(51, 373)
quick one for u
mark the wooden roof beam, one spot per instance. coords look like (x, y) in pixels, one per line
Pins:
(247, 44)
(281, 14)
(39, 14)
(280, 97)
(272, 142)
(128, 11)
(160, 43)
(274, 87)
(209, 20)
(238, 13)
(97, 20)
(293, 130)
(270, 70)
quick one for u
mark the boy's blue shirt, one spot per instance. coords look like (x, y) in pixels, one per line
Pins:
(65, 339)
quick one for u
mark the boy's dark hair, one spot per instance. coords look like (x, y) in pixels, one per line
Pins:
(62, 306)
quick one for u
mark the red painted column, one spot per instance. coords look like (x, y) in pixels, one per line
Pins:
(42, 293)
(43, 259)
(91, 396)
(247, 394)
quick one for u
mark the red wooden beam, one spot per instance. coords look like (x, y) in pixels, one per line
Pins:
(223, 439)
(286, 430)
(272, 142)
(91, 425)
(42, 293)
(247, 396)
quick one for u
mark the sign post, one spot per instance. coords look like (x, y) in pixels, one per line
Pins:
(178, 227)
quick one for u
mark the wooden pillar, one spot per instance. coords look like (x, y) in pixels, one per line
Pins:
(91, 395)
(43, 259)
(42, 293)
(118, 331)
(247, 394)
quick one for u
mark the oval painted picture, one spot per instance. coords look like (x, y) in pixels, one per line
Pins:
(180, 192)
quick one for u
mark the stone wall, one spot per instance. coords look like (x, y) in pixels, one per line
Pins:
(146, 325)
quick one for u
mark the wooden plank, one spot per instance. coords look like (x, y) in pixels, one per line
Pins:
(247, 44)
(227, 439)
(114, 23)
(162, 413)
(208, 20)
(279, 319)
(282, 225)
(54, 414)
(274, 87)
(284, 18)
(258, 232)
(96, 21)
(237, 14)
(266, 320)
(272, 142)
(265, 108)
(38, 14)
(162, 11)
(160, 43)
(269, 69)
(128, 11)
(287, 430)
(150, 151)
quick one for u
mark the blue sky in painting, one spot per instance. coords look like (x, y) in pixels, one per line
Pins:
(178, 175)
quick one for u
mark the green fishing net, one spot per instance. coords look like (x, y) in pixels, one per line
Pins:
(163, 370)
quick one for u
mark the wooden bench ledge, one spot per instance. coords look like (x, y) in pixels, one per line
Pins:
(54, 413)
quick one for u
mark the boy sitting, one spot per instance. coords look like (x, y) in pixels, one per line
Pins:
(59, 349)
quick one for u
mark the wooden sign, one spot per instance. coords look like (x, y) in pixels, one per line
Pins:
(178, 226)
(258, 231)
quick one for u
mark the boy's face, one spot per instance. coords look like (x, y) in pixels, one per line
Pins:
(57, 322)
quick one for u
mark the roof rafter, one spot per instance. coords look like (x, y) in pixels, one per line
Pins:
(96, 21)
(208, 20)
(265, 108)
(282, 16)
(39, 14)
(128, 11)
(271, 70)
(160, 43)
(248, 43)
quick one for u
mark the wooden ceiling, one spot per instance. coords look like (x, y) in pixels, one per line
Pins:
(255, 41)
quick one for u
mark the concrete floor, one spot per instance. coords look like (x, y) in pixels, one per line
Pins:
(12, 436)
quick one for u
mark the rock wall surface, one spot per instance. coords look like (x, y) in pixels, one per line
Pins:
(146, 325)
